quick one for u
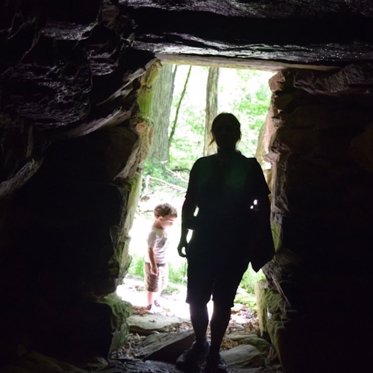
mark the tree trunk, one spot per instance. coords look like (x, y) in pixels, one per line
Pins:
(211, 108)
(173, 128)
(163, 89)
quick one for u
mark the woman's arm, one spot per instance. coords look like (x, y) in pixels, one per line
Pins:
(187, 214)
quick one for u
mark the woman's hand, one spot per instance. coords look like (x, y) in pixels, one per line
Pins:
(182, 248)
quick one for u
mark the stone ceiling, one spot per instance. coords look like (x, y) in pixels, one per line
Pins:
(294, 31)
(64, 63)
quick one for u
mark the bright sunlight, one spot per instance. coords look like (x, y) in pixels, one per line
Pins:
(243, 92)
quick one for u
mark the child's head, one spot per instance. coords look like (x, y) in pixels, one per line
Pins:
(165, 214)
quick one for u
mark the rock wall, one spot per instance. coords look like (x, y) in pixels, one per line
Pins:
(316, 305)
(71, 141)
(72, 137)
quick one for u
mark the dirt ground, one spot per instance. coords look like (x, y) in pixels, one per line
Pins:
(243, 319)
(173, 304)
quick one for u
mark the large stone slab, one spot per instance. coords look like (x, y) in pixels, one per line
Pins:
(243, 356)
(36, 362)
(139, 366)
(164, 346)
(150, 323)
(252, 339)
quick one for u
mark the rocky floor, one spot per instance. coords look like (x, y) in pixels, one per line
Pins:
(157, 338)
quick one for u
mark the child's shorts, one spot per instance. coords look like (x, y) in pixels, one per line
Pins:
(153, 282)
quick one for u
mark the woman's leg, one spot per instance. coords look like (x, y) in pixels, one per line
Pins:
(192, 358)
(200, 319)
(228, 275)
(218, 325)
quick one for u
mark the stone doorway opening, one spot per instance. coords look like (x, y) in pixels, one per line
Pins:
(242, 91)
(156, 189)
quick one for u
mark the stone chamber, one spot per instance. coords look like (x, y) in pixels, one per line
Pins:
(75, 87)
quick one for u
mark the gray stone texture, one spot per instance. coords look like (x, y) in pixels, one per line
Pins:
(71, 143)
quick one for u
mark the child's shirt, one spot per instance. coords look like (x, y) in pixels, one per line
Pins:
(158, 240)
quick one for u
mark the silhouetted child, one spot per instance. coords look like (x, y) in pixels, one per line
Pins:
(156, 268)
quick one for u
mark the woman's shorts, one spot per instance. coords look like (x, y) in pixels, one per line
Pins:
(214, 276)
(153, 282)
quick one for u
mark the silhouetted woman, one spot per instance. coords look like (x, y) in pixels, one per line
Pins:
(222, 188)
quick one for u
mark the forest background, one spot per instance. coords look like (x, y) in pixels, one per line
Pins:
(185, 99)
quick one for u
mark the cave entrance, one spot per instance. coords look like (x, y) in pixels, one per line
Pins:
(184, 99)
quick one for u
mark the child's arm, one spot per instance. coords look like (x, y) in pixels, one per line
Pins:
(153, 264)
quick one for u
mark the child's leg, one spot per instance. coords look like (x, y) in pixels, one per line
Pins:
(162, 282)
(150, 285)
(149, 297)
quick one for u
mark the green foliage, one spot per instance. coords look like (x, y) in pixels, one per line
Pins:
(137, 266)
(248, 299)
(188, 139)
(144, 97)
(250, 104)
(170, 289)
(161, 172)
(249, 279)
(246, 94)
(178, 275)
(154, 169)
(243, 92)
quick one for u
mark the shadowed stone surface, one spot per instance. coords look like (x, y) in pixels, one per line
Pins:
(148, 323)
(73, 135)
(164, 346)
(295, 31)
(243, 356)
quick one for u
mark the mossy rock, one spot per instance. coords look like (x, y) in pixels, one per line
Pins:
(121, 310)
(271, 309)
